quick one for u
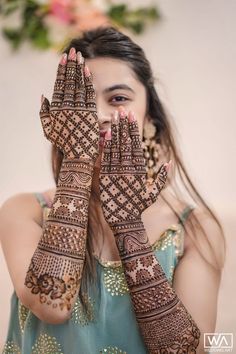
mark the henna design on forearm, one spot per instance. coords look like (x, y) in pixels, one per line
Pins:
(56, 266)
(165, 324)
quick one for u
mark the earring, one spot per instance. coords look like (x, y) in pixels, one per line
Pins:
(151, 150)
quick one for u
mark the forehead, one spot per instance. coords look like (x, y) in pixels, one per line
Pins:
(108, 72)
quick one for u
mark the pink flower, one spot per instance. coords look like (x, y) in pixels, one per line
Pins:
(62, 9)
(88, 17)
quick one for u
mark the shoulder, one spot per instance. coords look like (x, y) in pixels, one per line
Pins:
(20, 203)
(206, 236)
(24, 205)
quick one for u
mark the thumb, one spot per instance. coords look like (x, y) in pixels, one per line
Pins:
(155, 188)
(45, 118)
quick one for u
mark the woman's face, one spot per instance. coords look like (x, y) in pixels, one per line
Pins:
(116, 85)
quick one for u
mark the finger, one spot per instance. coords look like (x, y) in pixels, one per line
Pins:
(90, 92)
(58, 92)
(115, 141)
(44, 114)
(125, 140)
(160, 181)
(137, 150)
(106, 155)
(70, 81)
(80, 92)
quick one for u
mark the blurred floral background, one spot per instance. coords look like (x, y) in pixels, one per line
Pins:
(49, 23)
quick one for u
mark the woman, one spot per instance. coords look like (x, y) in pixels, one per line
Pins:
(105, 267)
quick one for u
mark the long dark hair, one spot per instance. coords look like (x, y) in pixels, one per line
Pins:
(110, 42)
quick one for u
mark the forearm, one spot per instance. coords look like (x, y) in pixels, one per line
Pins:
(164, 322)
(56, 266)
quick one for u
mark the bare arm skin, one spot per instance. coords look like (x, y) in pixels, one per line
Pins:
(70, 122)
(165, 323)
(201, 300)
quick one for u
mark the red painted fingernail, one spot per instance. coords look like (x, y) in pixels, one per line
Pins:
(80, 58)
(72, 54)
(122, 114)
(108, 135)
(115, 116)
(63, 59)
(131, 116)
(168, 165)
(86, 71)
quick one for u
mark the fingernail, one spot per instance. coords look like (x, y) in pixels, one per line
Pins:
(168, 165)
(115, 116)
(122, 113)
(86, 71)
(80, 58)
(108, 135)
(131, 116)
(72, 54)
(63, 59)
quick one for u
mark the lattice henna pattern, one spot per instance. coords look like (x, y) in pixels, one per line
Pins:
(164, 322)
(56, 266)
(71, 121)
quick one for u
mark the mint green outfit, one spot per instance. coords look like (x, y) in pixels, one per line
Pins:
(109, 326)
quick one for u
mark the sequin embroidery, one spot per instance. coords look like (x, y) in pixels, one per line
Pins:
(114, 280)
(11, 348)
(112, 350)
(46, 344)
(22, 315)
(79, 316)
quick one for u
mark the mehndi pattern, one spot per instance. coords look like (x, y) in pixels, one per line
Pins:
(164, 322)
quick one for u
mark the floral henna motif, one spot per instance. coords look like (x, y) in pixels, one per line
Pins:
(56, 267)
(164, 322)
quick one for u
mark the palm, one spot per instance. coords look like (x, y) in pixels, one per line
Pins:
(123, 189)
(71, 121)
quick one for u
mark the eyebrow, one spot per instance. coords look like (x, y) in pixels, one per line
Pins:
(118, 87)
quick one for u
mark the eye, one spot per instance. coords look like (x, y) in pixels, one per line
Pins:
(118, 99)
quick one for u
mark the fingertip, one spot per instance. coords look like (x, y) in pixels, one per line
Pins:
(87, 71)
(131, 116)
(63, 59)
(115, 116)
(80, 58)
(108, 135)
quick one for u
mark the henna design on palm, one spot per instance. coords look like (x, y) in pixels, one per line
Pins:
(164, 322)
(70, 121)
(123, 186)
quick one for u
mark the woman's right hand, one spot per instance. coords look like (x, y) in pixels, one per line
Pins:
(70, 122)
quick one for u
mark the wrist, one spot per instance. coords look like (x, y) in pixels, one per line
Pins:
(76, 175)
(128, 226)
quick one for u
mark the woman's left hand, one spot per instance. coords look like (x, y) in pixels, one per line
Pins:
(124, 192)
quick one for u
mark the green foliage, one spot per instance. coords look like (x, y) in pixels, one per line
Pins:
(33, 27)
(132, 19)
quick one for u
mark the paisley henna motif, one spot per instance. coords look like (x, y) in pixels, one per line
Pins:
(164, 322)
(71, 124)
